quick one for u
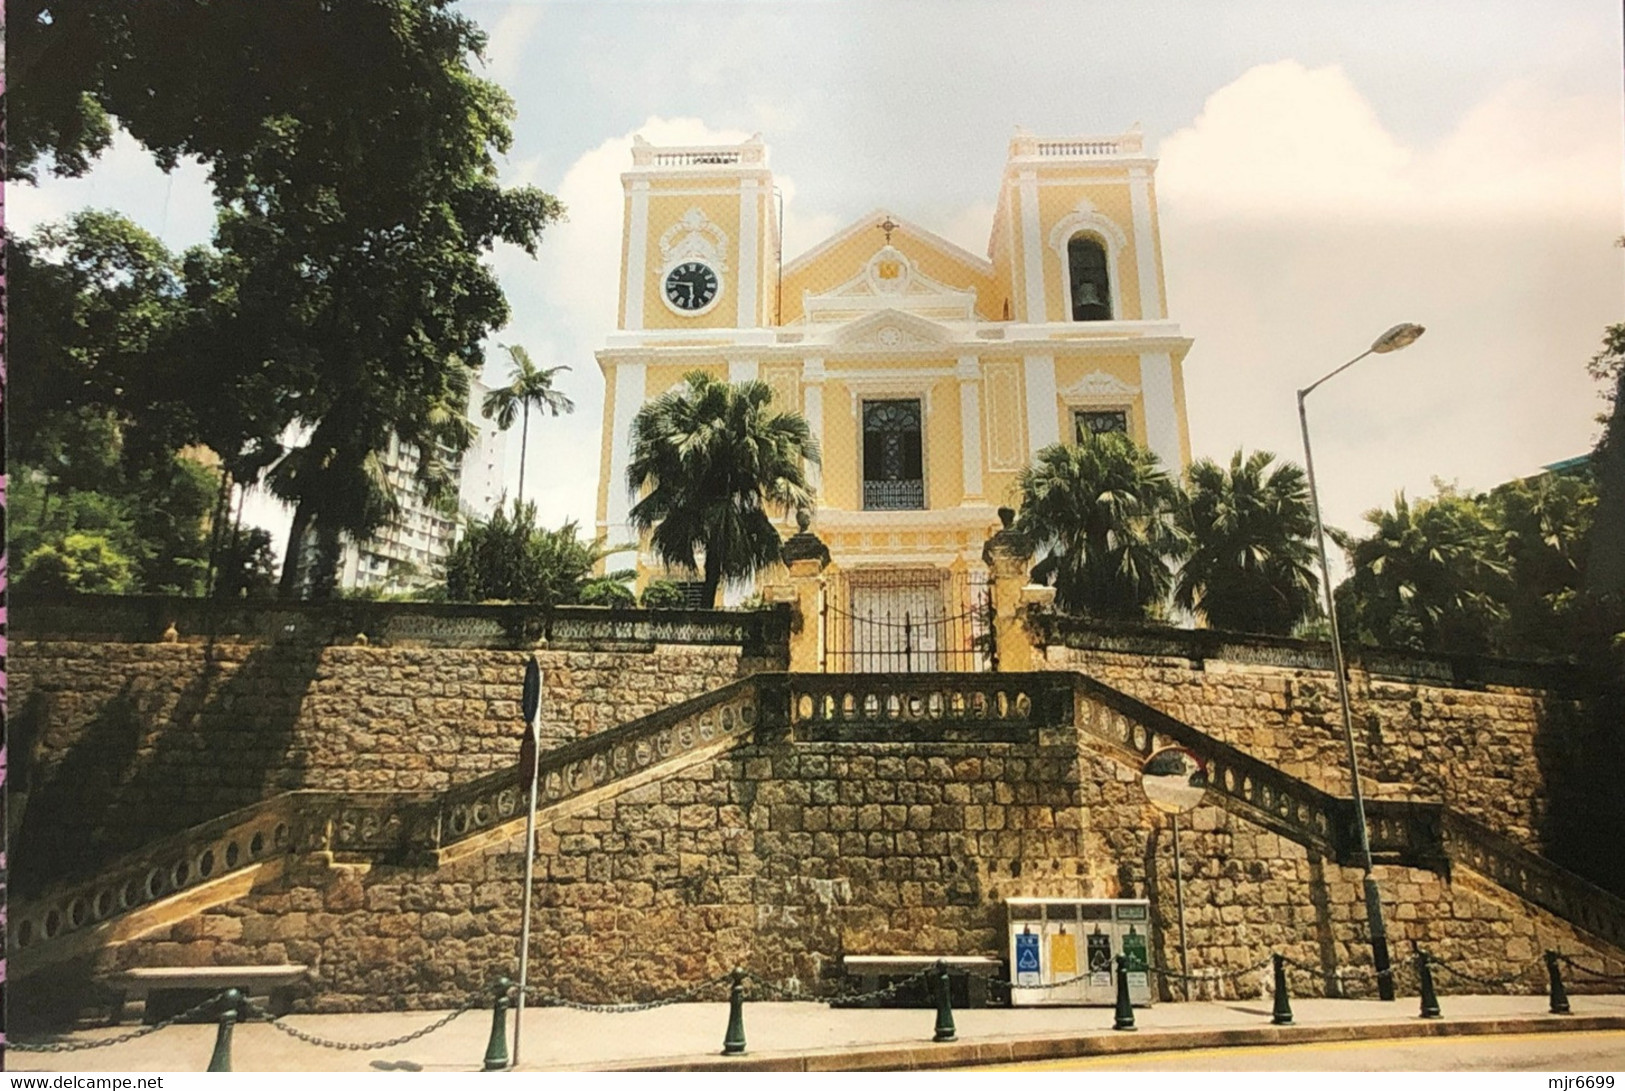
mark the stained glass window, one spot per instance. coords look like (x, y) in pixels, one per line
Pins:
(1094, 421)
(893, 464)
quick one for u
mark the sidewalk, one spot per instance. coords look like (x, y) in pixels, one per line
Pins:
(809, 1036)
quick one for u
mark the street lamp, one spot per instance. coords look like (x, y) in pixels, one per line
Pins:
(1391, 341)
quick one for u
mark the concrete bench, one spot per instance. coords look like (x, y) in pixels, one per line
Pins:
(971, 971)
(171, 990)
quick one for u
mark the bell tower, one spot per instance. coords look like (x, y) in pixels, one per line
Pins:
(700, 242)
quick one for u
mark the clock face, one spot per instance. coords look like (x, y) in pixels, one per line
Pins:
(691, 286)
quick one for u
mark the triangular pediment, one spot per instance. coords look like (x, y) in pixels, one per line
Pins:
(1099, 384)
(890, 329)
(889, 279)
(867, 227)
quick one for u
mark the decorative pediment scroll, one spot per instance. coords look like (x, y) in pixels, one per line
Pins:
(694, 238)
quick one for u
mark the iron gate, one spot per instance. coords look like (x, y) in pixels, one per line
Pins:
(907, 620)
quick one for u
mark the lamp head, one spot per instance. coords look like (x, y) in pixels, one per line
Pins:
(1397, 338)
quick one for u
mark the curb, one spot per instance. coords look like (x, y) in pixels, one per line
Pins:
(918, 1056)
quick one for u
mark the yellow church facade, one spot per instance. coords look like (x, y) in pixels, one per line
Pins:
(930, 375)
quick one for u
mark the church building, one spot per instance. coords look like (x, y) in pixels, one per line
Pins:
(930, 375)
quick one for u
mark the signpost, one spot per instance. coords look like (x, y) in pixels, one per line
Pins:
(1175, 780)
(530, 756)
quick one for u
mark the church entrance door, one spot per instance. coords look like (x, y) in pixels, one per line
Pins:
(909, 620)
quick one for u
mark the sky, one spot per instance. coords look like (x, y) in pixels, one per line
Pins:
(1327, 170)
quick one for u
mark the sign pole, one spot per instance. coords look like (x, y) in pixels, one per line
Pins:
(1179, 900)
(531, 707)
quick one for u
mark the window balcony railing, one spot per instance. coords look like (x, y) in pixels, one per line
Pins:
(894, 495)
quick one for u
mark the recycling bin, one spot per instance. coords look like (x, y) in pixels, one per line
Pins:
(1063, 950)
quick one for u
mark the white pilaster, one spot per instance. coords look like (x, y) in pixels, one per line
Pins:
(637, 254)
(629, 387)
(742, 371)
(749, 252)
(812, 402)
(1161, 416)
(969, 373)
(1043, 414)
(1032, 253)
(1145, 243)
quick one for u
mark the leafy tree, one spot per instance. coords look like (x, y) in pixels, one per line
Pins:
(528, 385)
(247, 567)
(1251, 560)
(1104, 509)
(1605, 571)
(713, 461)
(352, 154)
(509, 558)
(81, 562)
(1428, 577)
(1543, 524)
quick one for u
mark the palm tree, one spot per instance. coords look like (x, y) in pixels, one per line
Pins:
(1427, 578)
(1104, 509)
(1250, 565)
(711, 460)
(528, 385)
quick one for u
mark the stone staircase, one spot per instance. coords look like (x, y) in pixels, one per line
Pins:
(222, 860)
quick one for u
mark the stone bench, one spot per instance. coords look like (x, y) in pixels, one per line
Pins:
(170, 990)
(970, 971)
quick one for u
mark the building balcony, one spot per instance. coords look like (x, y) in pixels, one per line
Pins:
(894, 495)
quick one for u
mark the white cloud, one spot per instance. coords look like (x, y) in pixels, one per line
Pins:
(177, 207)
(970, 227)
(1296, 228)
(509, 41)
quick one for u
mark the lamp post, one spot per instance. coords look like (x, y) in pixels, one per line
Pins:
(1394, 339)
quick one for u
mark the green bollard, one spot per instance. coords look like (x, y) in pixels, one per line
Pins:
(1283, 1003)
(221, 1060)
(496, 1050)
(945, 1011)
(734, 1040)
(1560, 996)
(1430, 999)
(1125, 1010)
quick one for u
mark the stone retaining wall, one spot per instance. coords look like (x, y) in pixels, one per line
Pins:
(1497, 753)
(783, 857)
(116, 744)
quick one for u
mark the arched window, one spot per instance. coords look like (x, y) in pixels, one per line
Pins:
(1090, 284)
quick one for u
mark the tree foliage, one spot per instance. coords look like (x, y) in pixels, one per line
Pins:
(1605, 574)
(1251, 561)
(713, 463)
(82, 562)
(351, 150)
(528, 385)
(1104, 510)
(1429, 576)
(509, 558)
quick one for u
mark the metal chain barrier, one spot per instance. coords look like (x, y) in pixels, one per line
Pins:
(885, 992)
(1602, 975)
(468, 1005)
(547, 997)
(118, 1040)
(1488, 982)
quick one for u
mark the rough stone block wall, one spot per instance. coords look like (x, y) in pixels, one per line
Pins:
(783, 857)
(1497, 753)
(121, 743)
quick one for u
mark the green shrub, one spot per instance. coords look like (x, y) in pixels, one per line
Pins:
(607, 592)
(663, 595)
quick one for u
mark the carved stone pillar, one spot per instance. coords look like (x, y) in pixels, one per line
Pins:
(805, 557)
(1008, 553)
